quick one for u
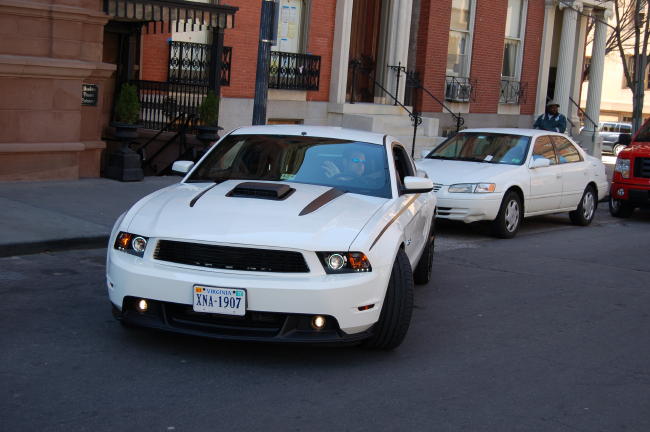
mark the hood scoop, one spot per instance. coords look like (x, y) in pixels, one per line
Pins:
(269, 191)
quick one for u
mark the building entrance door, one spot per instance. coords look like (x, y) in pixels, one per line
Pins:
(365, 47)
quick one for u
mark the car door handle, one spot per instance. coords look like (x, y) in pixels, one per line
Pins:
(558, 176)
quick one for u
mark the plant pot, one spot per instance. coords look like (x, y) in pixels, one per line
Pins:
(125, 131)
(208, 134)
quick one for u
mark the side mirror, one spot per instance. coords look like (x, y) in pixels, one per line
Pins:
(182, 167)
(417, 185)
(424, 153)
(540, 163)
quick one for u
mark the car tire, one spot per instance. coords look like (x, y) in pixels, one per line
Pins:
(508, 220)
(617, 148)
(422, 272)
(395, 316)
(619, 208)
(586, 210)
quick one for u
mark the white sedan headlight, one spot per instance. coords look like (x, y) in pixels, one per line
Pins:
(472, 188)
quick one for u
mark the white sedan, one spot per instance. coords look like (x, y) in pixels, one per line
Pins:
(504, 175)
(280, 233)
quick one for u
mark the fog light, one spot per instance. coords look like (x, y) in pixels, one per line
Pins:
(620, 192)
(318, 322)
(143, 305)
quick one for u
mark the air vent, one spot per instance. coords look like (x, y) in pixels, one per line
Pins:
(270, 191)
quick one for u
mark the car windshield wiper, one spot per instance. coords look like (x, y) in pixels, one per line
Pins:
(439, 157)
(471, 159)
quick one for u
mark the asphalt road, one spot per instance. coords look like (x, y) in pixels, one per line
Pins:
(545, 332)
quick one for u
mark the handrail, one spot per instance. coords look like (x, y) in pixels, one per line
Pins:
(143, 147)
(580, 110)
(180, 134)
(416, 117)
(413, 81)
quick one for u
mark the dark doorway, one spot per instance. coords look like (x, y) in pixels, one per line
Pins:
(364, 47)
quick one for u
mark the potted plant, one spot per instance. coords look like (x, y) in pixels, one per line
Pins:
(124, 164)
(208, 131)
(127, 112)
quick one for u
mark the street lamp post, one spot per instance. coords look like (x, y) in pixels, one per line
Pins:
(263, 61)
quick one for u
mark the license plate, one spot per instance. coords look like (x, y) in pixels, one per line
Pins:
(227, 301)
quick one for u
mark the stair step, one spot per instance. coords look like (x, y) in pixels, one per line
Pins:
(390, 124)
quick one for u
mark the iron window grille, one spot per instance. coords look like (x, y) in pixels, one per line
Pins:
(189, 63)
(460, 89)
(291, 71)
(512, 92)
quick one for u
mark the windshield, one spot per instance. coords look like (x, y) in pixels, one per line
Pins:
(352, 166)
(484, 147)
(644, 133)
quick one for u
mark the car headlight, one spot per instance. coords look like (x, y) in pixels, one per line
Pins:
(344, 262)
(133, 244)
(623, 167)
(472, 188)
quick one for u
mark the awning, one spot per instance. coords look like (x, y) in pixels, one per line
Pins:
(185, 15)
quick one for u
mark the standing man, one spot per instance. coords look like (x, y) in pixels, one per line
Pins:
(551, 120)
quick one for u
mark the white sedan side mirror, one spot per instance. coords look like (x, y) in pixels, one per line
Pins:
(540, 162)
(417, 185)
(182, 167)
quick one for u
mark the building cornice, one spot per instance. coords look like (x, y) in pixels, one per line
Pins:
(52, 11)
(47, 67)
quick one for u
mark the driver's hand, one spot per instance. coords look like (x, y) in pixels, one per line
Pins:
(330, 169)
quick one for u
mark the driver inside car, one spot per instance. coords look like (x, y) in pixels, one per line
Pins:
(354, 166)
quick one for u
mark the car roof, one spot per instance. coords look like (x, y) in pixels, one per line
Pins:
(514, 131)
(314, 131)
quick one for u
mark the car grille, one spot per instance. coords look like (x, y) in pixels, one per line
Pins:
(642, 167)
(436, 187)
(231, 258)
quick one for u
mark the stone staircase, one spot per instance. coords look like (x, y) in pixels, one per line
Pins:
(391, 120)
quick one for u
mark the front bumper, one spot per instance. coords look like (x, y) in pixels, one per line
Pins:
(315, 293)
(254, 326)
(635, 195)
(468, 207)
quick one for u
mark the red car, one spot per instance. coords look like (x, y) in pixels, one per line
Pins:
(631, 182)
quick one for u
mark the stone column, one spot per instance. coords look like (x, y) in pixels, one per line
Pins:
(566, 56)
(589, 137)
(578, 67)
(545, 57)
(398, 43)
(341, 51)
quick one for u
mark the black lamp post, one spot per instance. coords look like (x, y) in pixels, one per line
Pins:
(267, 24)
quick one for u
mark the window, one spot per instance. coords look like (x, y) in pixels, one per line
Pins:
(566, 151)
(292, 26)
(630, 68)
(460, 38)
(513, 41)
(586, 68)
(403, 164)
(494, 148)
(544, 149)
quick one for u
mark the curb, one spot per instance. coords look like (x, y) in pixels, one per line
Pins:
(7, 250)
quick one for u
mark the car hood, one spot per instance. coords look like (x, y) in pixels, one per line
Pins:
(637, 149)
(448, 172)
(215, 217)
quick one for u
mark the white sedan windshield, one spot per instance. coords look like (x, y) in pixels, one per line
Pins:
(484, 147)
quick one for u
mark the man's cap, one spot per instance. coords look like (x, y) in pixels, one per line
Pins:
(551, 103)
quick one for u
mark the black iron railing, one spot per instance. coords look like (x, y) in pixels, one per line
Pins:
(413, 82)
(161, 102)
(460, 89)
(512, 92)
(290, 71)
(189, 63)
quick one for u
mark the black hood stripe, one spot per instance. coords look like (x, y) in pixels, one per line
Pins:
(203, 192)
(320, 201)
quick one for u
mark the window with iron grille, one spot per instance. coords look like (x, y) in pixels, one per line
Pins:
(189, 63)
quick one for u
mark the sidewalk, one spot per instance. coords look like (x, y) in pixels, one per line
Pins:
(56, 215)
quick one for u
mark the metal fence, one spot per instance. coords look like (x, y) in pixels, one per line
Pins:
(162, 102)
(290, 71)
(460, 89)
(512, 92)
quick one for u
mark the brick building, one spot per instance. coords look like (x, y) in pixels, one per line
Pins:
(336, 62)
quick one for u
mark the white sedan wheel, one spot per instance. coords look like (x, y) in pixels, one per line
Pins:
(512, 216)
